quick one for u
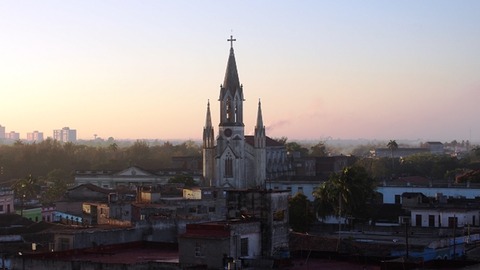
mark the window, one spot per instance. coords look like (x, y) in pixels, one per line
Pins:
(229, 110)
(418, 220)
(228, 166)
(452, 222)
(244, 247)
(211, 209)
(1, 208)
(300, 190)
(198, 250)
(397, 199)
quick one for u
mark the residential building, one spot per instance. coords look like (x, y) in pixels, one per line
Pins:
(2, 132)
(435, 217)
(220, 245)
(35, 136)
(65, 135)
(256, 230)
(12, 135)
(6, 201)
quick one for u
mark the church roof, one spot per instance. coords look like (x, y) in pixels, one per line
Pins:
(231, 74)
(269, 142)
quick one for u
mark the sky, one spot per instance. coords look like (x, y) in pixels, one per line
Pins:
(342, 69)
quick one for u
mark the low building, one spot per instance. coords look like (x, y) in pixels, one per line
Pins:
(6, 201)
(218, 245)
(444, 217)
(132, 177)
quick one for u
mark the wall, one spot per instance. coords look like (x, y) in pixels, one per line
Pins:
(89, 238)
(49, 264)
(464, 218)
(211, 252)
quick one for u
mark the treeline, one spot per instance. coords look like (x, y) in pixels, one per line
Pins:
(38, 160)
(435, 167)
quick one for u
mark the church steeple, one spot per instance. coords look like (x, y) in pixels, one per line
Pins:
(259, 136)
(208, 133)
(231, 93)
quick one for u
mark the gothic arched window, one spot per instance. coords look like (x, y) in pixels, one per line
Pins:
(229, 166)
(229, 110)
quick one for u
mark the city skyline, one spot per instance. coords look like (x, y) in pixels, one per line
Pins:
(322, 69)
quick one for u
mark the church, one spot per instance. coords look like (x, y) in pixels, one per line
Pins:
(232, 159)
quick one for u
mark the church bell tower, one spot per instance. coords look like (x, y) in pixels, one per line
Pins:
(230, 165)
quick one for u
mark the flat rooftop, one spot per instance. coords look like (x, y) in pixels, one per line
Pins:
(128, 253)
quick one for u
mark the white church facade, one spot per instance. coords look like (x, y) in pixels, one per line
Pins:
(233, 159)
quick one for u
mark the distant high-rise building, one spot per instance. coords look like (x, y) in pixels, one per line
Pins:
(2, 132)
(65, 135)
(35, 136)
(12, 135)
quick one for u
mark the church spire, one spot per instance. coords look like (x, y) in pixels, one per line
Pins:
(208, 121)
(231, 82)
(231, 93)
(260, 136)
(208, 134)
(259, 115)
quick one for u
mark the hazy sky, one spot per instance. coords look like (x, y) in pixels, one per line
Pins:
(322, 69)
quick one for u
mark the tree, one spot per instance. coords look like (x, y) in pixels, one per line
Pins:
(300, 213)
(282, 140)
(319, 150)
(56, 182)
(345, 194)
(183, 179)
(295, 147)
(393, 146)
(25, 189)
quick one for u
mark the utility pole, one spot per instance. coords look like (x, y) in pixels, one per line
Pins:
(407, 221)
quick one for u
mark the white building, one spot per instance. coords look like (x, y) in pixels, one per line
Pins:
(2, 132)
(6, 201)
(444, 217)
(65, 135)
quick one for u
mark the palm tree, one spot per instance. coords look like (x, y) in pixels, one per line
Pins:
(392, 145)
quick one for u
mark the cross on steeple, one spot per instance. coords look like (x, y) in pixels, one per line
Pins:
(231, 39)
